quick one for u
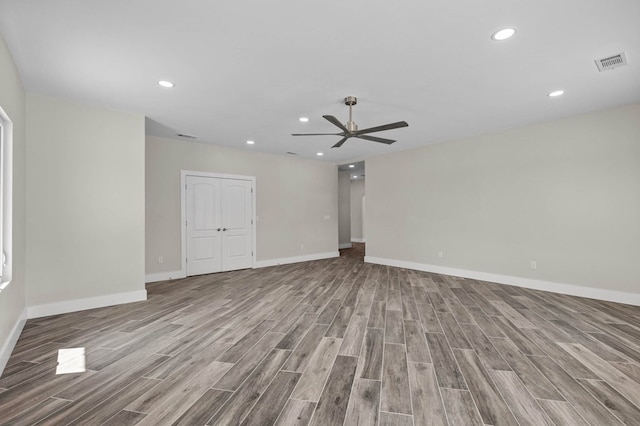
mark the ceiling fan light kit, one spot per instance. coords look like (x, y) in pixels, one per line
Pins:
(350, 130)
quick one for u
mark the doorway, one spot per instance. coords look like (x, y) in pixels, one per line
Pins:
(351, 208)
(218, 232)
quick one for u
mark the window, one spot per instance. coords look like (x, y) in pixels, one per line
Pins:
(6, 208)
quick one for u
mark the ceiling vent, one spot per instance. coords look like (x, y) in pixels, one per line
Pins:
(611, 62)
(182, 135)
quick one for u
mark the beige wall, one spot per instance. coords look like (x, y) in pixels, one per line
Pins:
(85, 201)
(293, 197)
(344, 208)
(12, 101)
(357, 192)
(564, 193)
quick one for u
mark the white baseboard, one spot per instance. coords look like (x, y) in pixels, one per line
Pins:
(345, 246)
(83, 304)
(163, 276)
(12, 339)
(296, 259)
(358, 240)
(570, 289)
(174, 275)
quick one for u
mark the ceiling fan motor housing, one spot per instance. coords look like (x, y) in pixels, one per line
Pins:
(350, 100)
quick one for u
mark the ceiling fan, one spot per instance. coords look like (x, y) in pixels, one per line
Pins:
(350, 130)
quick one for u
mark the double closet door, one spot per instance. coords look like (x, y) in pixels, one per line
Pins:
(219, 224)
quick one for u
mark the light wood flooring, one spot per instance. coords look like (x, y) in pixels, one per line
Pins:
(332, 342)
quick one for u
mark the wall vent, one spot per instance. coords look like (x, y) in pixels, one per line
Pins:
(182, 135)
(611, 62)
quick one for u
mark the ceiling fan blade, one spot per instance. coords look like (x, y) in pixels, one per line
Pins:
(317, 134)
(340, 142)
(375, 139)
(335, 122)
(390, 126)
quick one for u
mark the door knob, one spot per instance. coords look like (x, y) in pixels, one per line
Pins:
(224, 229)
(218, 229)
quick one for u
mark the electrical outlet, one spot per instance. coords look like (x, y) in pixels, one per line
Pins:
(301, 246)
(327, 217)
(440, 254)
(160, 259)
(534, 264)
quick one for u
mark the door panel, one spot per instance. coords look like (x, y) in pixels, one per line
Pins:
(236, 246)
(205, 248)
(205, 200)
(237, 239)
(204, 252)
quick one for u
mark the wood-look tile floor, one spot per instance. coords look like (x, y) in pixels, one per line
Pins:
(332, 342)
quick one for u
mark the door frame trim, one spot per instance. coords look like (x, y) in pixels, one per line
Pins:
(183, 212)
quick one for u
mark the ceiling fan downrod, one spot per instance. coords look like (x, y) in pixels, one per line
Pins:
(350, 101)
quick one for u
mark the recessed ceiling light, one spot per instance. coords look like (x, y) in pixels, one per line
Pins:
(250, 142)
(320, 154)
(355, 177)
(351, 166)
(556, 93)
(303, 119)
(503, 34)
(165, 83)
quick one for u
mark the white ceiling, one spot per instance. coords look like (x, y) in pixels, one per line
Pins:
(248, 69)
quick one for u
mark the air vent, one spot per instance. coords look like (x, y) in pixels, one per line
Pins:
(611, 62)
(292, 153)
(182, 135)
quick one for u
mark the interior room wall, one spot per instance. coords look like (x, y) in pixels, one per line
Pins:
(344, 209)
(12, 297)
(297, 200)
(357, 192)
(85, 204)
(564, 194)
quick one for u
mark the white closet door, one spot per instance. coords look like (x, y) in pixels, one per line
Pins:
(237, 235)
(204, 228)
